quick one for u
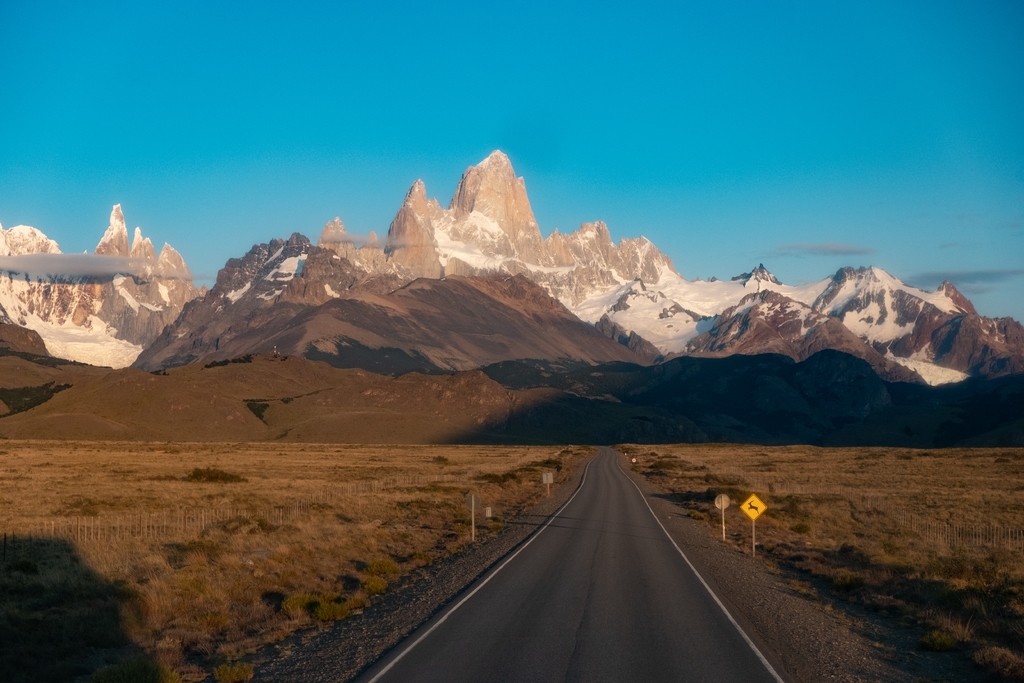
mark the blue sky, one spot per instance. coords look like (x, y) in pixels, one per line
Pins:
(806, 136)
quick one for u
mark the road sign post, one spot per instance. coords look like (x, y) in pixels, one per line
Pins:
(753, 507)
(473, 501)
(721, 502)
(547, 478)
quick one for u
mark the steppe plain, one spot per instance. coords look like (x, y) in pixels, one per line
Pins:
(283, 538)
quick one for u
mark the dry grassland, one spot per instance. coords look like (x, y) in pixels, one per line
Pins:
(849, 548)
(196, 601)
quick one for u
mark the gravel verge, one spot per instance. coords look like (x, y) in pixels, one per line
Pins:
(340, 652)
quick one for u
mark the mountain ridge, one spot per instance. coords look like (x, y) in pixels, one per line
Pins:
(111, 305)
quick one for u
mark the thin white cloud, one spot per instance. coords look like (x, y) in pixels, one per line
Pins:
(822, 249)
(976, 278)
(86, 265)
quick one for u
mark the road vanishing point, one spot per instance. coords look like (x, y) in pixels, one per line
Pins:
(599, 593)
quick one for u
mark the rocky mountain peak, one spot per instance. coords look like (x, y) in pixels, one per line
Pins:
(95, 315)
(958, 299)
(333, 235)
(24, 239)
(142, 247)
(115, 239)
(410, 243)
(757, 276)
(170, 262)
(492, 189)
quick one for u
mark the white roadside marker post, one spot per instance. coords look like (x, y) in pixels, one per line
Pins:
(721, 502)
(473, 501)
(547, 478)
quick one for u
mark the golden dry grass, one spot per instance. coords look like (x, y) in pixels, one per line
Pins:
(853, 549)
(195, 600)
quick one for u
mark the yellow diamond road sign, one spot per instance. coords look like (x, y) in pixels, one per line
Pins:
(753, 507)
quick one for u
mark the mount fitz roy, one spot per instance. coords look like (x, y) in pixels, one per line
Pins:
(101, 309)
(427, 296)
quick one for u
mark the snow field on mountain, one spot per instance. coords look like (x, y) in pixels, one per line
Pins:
(94, 344)
(930, 372)
(650, 314)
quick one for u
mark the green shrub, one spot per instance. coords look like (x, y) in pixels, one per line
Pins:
(357, 602)
(696, 514)
(233, 673)
(375, 585)
(331, 611)
(135, 670)
(257, 408)
(938, 641)
(499, 479)
(214, 475)
(847, 581)
(382, 568)
(304, 601)
(800, 528)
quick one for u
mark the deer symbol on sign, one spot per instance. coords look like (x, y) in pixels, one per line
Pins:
(751, 506)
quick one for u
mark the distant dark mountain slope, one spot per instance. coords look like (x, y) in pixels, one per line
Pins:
(831, 398)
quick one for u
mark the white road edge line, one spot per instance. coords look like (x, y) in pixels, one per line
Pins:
(696, 573)
(484, 582)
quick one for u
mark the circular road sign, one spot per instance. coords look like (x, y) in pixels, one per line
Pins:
(722, 501)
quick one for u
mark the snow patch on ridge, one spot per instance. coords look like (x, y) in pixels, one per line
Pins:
(129, 298)
(238, 293)
(287, 269)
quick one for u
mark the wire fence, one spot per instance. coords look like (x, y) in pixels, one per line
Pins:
(950, 535)
(191, 521)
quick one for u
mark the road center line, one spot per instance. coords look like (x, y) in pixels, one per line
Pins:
(483, 583)
(704, 583)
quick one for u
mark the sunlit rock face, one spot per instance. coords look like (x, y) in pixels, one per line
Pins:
(630, 291)
(103, 308)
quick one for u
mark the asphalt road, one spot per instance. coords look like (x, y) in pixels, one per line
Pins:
(599, 594)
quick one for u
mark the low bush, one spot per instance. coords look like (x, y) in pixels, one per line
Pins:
(382, 568)
(331, 611)
(233, 673)
(499, 479)
(214, 475)
(938, 641)
(135, 670)
(257, 408)
(847, 581)
(800, 528)
(1006, 662)
(375, 585)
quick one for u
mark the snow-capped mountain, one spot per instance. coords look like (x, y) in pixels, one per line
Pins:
(633, 287)
(101, 308)
(300, 300)
(937, 334)
(629, 291)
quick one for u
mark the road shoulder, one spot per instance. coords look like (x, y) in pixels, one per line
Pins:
(343, 651)
(806, 640)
